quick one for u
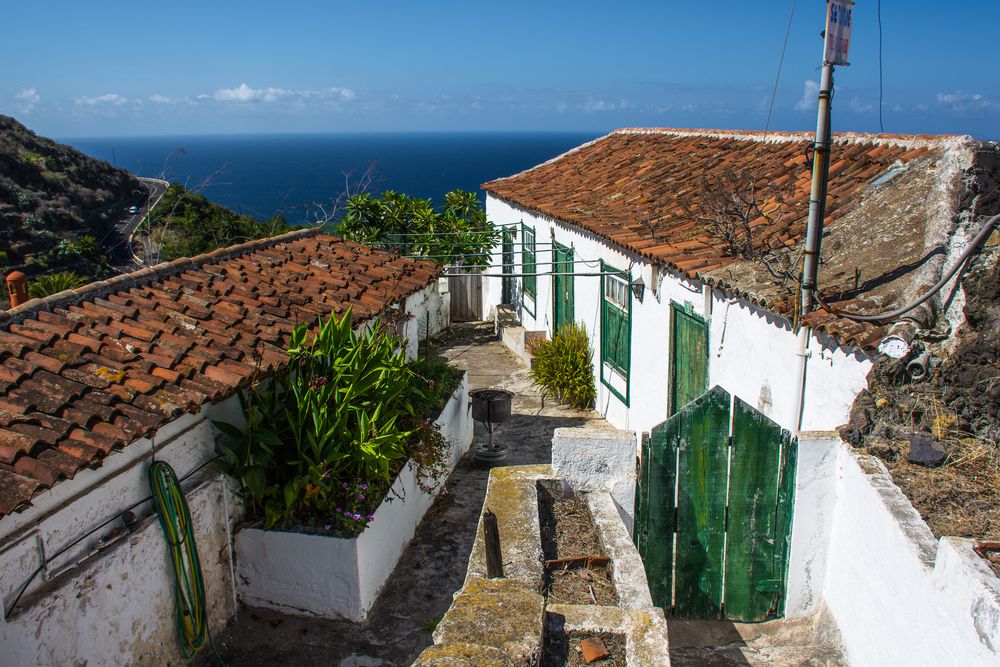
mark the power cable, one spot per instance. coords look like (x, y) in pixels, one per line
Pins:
(118, 515)
(878, 14)
(983, 234)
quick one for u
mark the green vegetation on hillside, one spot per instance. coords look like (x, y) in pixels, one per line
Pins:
(185, 224)
(55, 202)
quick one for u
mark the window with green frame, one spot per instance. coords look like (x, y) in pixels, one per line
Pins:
(528, 260)
(616, 329)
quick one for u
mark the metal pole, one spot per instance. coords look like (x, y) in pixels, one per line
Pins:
(817, 195)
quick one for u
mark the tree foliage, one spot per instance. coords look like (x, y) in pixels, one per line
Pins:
(457, 233)
(184, 224)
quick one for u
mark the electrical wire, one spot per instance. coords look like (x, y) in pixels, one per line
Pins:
(63, 549)
(878, 14)
(777, 76)
(189, 586)
(983, 234)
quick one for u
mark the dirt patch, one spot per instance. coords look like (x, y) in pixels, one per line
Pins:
(563, 650)
(570, 537)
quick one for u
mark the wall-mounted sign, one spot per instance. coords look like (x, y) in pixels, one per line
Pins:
(838, 31)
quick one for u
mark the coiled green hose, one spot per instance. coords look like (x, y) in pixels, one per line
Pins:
(189, 588)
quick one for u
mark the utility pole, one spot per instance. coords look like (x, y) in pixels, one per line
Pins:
(837, 39)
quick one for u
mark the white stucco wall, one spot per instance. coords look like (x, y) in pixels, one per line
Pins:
(899, 596)
(117, 605)
(428, 315)
(753, 354)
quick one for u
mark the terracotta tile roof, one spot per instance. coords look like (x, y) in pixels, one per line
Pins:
(643, 190)
(86, 372)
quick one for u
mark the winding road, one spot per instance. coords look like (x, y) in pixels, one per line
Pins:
(120, 247)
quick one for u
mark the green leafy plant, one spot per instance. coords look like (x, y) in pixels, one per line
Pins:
(324, 438)
(564, 366)
(44, 286)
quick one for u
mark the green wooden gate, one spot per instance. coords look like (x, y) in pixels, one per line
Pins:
(714, 510)
(562, 286)
(507, 259)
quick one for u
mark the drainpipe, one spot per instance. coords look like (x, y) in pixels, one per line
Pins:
(817, 195)
(804, 352)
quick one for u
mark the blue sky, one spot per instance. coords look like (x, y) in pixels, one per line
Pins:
(102, 68)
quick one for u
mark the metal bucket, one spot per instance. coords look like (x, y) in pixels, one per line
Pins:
(491, 406)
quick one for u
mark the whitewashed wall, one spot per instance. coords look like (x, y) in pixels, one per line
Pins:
(899, 596)
(117, 607)
(428, 315)
(753, 354)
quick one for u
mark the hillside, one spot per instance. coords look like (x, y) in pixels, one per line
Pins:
(58, 208)
(52, 198)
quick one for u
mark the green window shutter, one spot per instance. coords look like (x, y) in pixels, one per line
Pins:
(528, 260)
(616, 328)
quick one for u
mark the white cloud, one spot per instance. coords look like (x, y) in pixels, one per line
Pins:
(244, 94)
(593, 105)
(562, 107)
(27, 100)
(857, 106)
(101, 101)
(810, 92)
(961, 102)
(161, 99)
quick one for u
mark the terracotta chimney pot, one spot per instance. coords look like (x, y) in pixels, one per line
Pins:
(17, 287)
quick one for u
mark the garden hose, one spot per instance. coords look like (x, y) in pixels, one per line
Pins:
(189, 588)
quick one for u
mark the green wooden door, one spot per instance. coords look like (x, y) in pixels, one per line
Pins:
(562, 286)
(760, 481)
(726, 495)
(688, 358)
(507, 259)
(701, 504)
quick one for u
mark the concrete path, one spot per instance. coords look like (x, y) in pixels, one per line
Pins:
(433, 567)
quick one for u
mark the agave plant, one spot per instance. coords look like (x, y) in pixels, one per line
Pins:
(54, 283)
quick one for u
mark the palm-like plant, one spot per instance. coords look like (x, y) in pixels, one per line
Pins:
(54, 283)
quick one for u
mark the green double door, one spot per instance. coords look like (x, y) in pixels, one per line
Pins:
(507, 260)
(562, 286)
(719, 477)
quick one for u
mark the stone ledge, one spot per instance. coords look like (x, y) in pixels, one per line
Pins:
(503, 614)
(645, 630)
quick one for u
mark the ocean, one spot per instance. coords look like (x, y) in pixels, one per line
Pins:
(264, 175)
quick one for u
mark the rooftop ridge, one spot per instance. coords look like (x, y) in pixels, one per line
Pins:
(102, 288)
(783, 136)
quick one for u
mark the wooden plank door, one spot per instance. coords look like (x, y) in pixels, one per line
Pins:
(562, 286)
(688, 358)
(702, 443)
(714, 510)
(759, 516)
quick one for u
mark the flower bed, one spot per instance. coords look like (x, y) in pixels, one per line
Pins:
(337, 577)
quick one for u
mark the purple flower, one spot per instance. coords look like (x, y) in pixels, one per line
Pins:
(327, 527)
(371, 517)
(361, 496)
(344, 485)
(364, 487)
(357, 517)
(340, 510)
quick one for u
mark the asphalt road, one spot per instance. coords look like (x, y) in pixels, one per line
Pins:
(117, 240)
